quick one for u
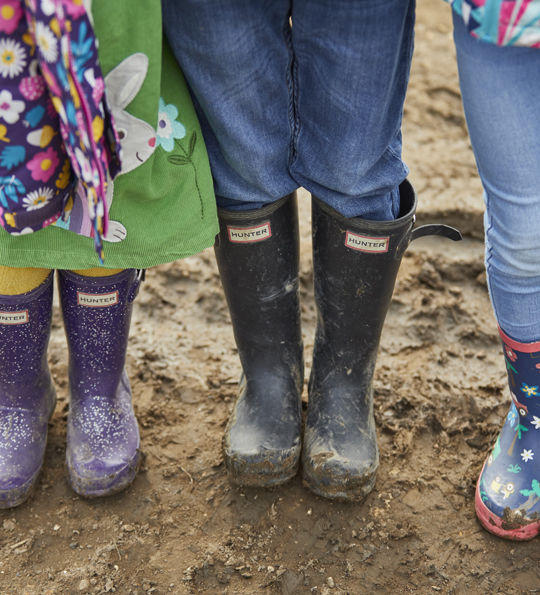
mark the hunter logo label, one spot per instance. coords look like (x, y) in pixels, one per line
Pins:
(14, 317)
(248, 235)
(366, 244)
(94, 300)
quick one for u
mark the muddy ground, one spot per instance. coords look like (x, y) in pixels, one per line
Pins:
(440, 397)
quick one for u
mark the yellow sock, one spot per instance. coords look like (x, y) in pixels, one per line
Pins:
(14, 281)
(98, 272)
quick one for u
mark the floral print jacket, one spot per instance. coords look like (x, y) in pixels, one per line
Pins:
(503, 22)
(55, 123)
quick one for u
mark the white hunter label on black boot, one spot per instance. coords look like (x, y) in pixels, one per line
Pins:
(248, 235)
(366, 244)
(14, 317)
(95, 300)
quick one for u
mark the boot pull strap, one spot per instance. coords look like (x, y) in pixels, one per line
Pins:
(134, 290)
(436, 229)
(433, 229)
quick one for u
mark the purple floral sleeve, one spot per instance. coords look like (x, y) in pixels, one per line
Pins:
(55, 124)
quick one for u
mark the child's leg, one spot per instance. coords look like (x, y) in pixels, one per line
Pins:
(27, 396)
(103, 446)
(14, 281)
(500, 89)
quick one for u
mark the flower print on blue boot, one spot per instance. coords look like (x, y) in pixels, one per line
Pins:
(508, 490)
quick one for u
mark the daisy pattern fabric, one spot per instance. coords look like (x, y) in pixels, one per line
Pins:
(502, 22)
(55, 124)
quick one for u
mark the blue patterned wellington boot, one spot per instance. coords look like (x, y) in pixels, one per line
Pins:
(27, 396)
(103, 446)
(508, 490)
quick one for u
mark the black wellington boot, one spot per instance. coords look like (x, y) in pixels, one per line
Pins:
(355, 262)
(258, 258)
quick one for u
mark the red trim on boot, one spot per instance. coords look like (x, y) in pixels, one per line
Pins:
(521, 347)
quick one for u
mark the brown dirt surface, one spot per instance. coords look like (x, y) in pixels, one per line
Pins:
(440, 397)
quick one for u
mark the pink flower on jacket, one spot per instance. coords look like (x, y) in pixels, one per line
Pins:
(510, 353)
(10, 15)
(75, 8)
(43, 165)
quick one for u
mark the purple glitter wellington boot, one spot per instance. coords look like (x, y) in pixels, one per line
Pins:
(27, 396)
(103, 446)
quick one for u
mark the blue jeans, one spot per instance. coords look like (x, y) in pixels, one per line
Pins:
(317, 105)
(501, 92)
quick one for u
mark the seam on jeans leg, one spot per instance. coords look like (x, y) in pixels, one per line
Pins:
(291, 86)
(488, 258)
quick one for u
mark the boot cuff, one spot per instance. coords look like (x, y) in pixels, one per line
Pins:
(521, 347)
(227, 214)
(408, 201)
(97, 281)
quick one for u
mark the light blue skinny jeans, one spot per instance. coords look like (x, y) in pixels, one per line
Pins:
(501, 97)
(317, 105)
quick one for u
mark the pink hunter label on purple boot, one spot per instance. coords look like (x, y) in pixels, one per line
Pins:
(365, 243)
(14, 317)
(248, 235)
(97, 300)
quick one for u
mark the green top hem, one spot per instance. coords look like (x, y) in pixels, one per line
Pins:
(43, 259)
